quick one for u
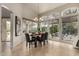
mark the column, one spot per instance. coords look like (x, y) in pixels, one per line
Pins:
(38, 27)
(12, 18)
(28, 28)
(78, 24)
(48, 30)
(0, 29)
(60, 29)
(76, 40)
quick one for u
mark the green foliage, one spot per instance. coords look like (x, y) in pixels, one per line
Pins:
(53, 29)
(44, 29)
(38, 29)
(69, 28)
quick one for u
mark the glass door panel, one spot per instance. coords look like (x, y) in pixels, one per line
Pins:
(54, 31)
(69, 26)
(8, 30)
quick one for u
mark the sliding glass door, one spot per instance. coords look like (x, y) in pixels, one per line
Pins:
(70, 29)
(51, 26)
(54, 30)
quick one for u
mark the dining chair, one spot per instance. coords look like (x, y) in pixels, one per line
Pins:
(46, 37)
(42, 39)
(28, 40)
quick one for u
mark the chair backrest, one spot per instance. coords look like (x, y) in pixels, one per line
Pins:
(27, 37)
(46, 35)
(43, 36)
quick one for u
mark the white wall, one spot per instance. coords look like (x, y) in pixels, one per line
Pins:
(17, 10)
(20, 11)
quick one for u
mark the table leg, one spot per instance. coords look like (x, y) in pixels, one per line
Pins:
(35, 44)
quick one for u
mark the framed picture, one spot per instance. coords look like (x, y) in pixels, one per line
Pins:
(17, 26)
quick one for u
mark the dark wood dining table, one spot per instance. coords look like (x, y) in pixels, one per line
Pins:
(36, 36)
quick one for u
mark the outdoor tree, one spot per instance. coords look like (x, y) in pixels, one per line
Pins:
(53, 29)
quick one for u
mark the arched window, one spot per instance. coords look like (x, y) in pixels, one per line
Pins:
(72, 10)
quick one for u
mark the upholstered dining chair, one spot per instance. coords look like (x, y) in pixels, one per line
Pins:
(28, 40)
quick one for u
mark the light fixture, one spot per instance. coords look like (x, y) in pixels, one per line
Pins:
(41, 19)
(35, 19)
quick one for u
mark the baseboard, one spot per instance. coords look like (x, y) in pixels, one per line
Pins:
(60, 41)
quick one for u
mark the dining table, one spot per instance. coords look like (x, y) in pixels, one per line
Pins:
(36, 37)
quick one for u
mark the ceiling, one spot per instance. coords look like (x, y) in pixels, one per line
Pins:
(43, 7)
(39, 8)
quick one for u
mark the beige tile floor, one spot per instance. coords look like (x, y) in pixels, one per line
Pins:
(53, 48)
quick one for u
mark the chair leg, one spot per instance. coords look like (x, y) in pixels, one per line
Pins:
(26, 44)
(44, 42)
(35, 44)
(47, 41)
(29, 44)
(40, 44)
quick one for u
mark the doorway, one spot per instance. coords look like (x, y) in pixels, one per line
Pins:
(6, 27)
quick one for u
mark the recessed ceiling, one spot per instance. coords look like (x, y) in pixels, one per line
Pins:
(43, 7)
